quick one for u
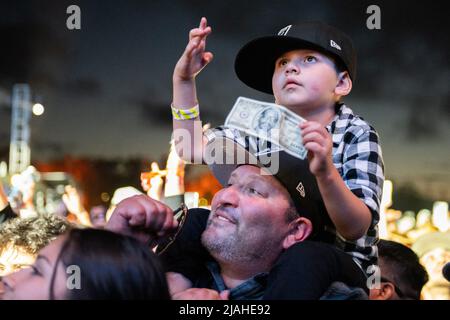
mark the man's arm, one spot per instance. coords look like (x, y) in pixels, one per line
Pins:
(3, 198)
(143, 218)
(188, 133)
(72, 201)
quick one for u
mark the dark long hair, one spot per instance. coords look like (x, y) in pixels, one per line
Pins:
(112, 267)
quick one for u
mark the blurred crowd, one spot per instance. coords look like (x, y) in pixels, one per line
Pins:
(24, 230)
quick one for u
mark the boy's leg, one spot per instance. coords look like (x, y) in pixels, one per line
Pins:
(307, 269)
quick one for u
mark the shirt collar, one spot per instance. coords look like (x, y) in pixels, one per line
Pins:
(251, 289)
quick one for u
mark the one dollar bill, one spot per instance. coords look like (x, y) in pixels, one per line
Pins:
(268, 121)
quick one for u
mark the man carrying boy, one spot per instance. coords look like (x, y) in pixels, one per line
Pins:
(308, 68)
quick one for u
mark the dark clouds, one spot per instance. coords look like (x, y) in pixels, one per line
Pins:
(82, 87)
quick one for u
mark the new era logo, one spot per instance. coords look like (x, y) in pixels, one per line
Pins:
(335, 45)
(301, 189)
(285, 30)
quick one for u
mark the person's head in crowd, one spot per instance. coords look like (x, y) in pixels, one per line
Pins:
(402, 275)
(90, 264)
(119, 195)
(22, 238)
(253, 219)
(23, 190)
(434, 252)
(97, 215)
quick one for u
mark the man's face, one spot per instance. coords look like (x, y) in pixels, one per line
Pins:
(247, 219)
(304, 79)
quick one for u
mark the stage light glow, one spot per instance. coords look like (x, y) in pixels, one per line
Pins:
(38, 109)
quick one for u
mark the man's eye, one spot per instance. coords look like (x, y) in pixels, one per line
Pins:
(254, 191)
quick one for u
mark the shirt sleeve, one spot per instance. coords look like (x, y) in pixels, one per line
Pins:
(363, 169)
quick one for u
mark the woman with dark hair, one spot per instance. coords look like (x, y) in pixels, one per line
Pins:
(90, 264)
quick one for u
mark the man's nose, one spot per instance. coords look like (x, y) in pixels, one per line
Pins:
(227, 197)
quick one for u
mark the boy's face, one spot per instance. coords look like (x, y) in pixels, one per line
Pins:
(304, 79)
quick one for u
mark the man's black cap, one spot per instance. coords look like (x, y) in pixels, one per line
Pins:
(293, 173)
(255, 62)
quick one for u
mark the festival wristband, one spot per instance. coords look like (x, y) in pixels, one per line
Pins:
(185, 114)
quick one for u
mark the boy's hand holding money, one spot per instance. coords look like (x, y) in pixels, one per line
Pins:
(319, 144)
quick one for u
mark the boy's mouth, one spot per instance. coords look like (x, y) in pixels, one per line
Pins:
(291, 82)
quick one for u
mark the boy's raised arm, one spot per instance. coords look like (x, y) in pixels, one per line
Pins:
(188, 132)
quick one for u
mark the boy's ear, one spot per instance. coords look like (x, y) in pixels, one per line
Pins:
(344, 84)
(300, 229)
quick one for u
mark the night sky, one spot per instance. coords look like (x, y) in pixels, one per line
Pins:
(107, 87)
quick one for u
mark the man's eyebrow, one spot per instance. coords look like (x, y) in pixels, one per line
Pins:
(257, 177)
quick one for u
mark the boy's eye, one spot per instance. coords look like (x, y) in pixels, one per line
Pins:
(282, 62)
(310, 59)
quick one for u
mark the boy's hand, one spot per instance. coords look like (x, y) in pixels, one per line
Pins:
(319, 144)
(194, 57)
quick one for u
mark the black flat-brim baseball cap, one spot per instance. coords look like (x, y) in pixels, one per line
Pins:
(255, 62)
(293, 173)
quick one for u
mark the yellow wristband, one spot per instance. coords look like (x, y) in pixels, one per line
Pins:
(185, 114)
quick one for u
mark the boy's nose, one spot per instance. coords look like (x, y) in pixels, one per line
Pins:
(292, 68)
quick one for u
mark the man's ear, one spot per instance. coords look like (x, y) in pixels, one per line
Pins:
(344, 84)
(299, 230)
(385, 292)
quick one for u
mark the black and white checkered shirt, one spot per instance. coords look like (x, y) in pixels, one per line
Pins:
(357, 157)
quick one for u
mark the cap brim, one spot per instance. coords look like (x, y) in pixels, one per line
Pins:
(288, 170)
(255, 62)
(228, 155)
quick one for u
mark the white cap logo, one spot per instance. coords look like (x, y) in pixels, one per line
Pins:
(335, 45)
(285, 30)
(301, 189)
